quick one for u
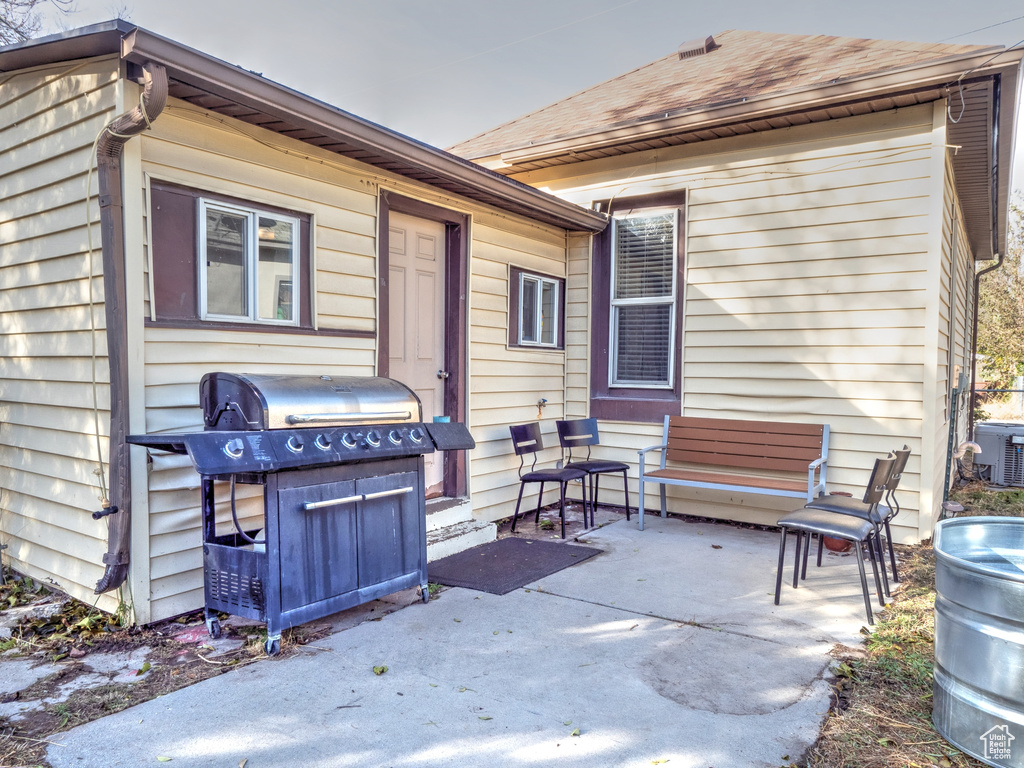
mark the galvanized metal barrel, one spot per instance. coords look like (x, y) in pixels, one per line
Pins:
(978, 701)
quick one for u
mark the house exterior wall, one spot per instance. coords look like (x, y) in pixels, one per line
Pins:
(192, 148)
(814, 274)
(49, 117)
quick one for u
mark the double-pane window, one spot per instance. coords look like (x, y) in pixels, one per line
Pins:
(538, 310)
(643, 299)
(250, 263)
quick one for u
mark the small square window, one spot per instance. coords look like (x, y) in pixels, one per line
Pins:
(535, 310)
(249, 265)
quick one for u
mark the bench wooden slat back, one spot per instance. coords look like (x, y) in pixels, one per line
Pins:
(770, 445)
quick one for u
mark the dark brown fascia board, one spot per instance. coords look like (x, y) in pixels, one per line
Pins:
(84, 43)
(806, 98)
(238, 85)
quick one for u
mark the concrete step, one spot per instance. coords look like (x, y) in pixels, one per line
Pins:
(457, 537)
(444, 512)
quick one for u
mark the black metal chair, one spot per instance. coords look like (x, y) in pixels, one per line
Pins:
(526, 439)
(862, 532)
(848, 505)
(582, 433)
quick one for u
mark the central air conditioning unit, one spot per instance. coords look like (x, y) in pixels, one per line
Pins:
(1002, 453)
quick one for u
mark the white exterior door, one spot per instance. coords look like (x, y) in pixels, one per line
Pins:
(417, 328)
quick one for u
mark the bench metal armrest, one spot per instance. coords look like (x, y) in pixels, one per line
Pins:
(642, 454)
(822, 466)
(660, 447)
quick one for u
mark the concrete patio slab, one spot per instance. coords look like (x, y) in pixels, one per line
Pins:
(662, 648)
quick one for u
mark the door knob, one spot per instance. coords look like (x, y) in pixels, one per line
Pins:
(442, 374)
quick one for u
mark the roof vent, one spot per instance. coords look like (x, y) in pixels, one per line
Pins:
(698, 47)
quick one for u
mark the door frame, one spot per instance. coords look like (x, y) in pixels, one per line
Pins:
(456, 312)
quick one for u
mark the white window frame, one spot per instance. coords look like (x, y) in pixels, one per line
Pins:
(670, 299)
(541, 281)
(252, 263)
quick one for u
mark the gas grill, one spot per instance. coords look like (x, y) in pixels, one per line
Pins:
(341, 462)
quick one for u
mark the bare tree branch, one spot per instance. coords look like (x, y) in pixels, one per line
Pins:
(1001, 307)
(20, 19)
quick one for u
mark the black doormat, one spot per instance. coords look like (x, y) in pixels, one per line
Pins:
(500, 566)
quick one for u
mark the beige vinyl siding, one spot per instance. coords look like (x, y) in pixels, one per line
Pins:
(577, 328)
(506, 383)
(225, 159)
(809, 263)
(49, 117)
(956, 310)
(189, 147)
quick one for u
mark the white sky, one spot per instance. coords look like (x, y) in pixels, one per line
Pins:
(444, 70)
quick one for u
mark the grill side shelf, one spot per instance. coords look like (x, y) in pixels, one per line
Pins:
(169, 443)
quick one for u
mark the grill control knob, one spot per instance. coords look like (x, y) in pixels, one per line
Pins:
(294, 444)
(373, 439)
(416, 435)
(348, 440)
(395, 437)
(323, 442)
(234, 449)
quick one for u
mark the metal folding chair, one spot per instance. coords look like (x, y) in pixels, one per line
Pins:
(526, 440)
(582, 433)
(862, 532)
(848, 505)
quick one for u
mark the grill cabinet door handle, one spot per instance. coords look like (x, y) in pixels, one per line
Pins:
(332, 502)
(317, 418)
(309, 505)
(385, 494)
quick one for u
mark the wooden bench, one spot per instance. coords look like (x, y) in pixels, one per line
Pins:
(763, 447)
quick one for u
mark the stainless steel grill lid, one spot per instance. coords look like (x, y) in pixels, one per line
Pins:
(235, 401)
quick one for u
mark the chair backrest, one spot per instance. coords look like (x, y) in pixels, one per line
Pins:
(902, 456)
(879, 477)
(577, 433)
(526, 440)
(892, 484)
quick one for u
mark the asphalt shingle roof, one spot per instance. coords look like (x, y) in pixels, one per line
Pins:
(744, 65)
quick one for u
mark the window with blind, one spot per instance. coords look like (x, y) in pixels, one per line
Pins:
(643, 299)
(636, 317)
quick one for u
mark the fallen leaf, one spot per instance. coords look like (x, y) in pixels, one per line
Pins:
(659, 762)
(145, 668)
(576, 732)
(242, 762)
(495, 631)
(457, 621)
(567, 722)
(716, 546)
(379, 670)
(433, 685)
(163, 759)
(485, 717)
